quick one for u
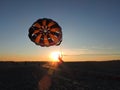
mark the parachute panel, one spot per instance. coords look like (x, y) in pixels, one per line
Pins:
(37, 40)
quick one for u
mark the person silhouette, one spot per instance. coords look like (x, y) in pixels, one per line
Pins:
(60, 59)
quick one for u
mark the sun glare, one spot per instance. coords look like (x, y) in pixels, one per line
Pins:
(54, 56)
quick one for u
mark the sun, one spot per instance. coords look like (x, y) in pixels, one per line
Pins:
(54, 56)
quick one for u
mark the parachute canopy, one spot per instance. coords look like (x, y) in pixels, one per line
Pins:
(45, 32)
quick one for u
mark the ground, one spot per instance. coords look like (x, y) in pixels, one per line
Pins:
(69, 76)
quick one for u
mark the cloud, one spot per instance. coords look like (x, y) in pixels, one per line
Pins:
(91, 51)
(67, 52)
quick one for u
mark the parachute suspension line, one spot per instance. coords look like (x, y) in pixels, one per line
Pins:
(60, 50)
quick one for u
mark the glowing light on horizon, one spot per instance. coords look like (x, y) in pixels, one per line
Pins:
(54, 56)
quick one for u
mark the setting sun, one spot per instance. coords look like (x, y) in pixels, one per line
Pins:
(54, 56)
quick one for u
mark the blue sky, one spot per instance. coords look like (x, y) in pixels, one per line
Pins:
(90, 28)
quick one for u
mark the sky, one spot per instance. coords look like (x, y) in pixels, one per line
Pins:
(91, 29)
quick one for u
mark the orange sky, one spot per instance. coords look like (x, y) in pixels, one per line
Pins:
(68, 55)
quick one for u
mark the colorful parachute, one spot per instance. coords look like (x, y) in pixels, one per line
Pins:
(45, 32)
